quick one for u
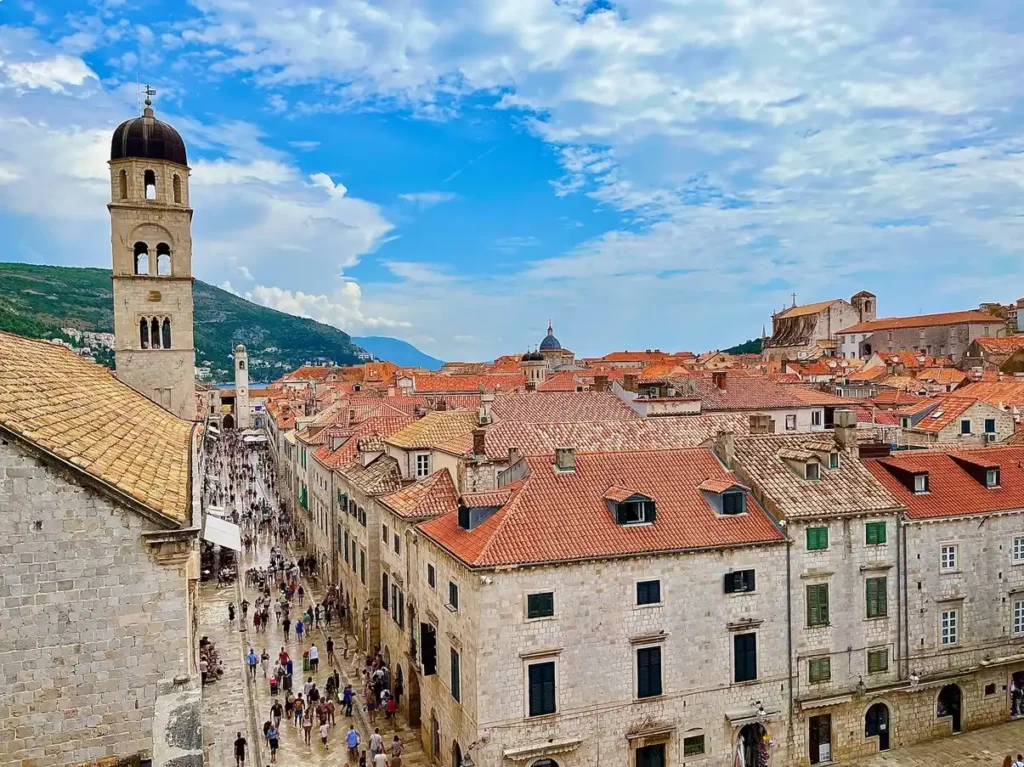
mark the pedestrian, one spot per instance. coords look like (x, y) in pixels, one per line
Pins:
(276, 712)
(286, 624)
(346, 699)
(240, 744)
(324, 729)
(256, 620)
(316, 616)
(277, 612)
(252, 660)
(297, 708)
(329, 708)
(371, 706)
(330, 651)
(396, 752)
(376, 744)
(307, 724)
(314, 658)
(362, 760)
(289, 705)
(265, 662)
(231, 612)
(352, 741)
(1019, 762)
(298, 629)
(380, 760)
(273, 742)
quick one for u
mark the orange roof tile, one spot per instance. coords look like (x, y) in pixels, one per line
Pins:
(562, 407)
(1006, 393)
(923, 321)
(434, 429)
(376, 426)
(565, 381)
(895, 398)
(1007, 345)
(800, 311)
(564, 516)
(948, 410)
(424, 384)
(430, 497)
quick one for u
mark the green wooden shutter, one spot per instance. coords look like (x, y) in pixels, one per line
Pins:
(817, 605)
(817, 538)
(874, 533)
(876, 597)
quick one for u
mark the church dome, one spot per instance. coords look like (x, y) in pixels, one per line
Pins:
(550, 343)
(146, 138)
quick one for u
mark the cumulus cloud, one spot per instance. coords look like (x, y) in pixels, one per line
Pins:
(343, 308)
(53, 74)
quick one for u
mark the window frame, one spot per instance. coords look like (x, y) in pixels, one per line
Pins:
(650, 651)
(543, 616)
(949, 558)
(752, 635)
(397, 543)
(881, 598)
(529, 682)
(740, 578)
(791, 419)
(834, 461)
(815, 418)
(814, 536)
(692, 742)
(821, 677)
(965, 427)
(812, 471)
(1017, 550)
(992, 478)
(949, 627)
(431, 576)
(647, 585)
(990, 421)
(453, 596)
(880, 652)
(733, 497)
(818, 616)
(425, 465)
(871, 531)
(1017, 617)
(645, 516)
(455, 674)
(922, 480)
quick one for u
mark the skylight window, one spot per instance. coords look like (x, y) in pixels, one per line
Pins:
(938, 414)
(992, 478)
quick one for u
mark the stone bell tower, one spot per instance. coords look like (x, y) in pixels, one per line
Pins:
(151, 245)
(243, 415)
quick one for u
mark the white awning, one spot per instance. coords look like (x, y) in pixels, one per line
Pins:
(222, 532)
(217, 511)
(214, 429)
(255, 438)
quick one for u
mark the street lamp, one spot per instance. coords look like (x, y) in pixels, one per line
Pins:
(467, 761)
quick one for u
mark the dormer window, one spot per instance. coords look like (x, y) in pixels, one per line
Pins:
(734, 503)
(833, 460)
(905, 422)
(812, 470)
(992, 478)
(634, 511)
(921, 483)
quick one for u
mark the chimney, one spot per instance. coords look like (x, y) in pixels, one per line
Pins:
(629, 382)
(725, 446)
(442, 405)
(760, 424)
(351, 415)
(478, 441)
(601, 383)
(391, 391)
(846, 429)
(513, 455)
(531, 386)
(718, 379)
(485, 415)
(565, 459)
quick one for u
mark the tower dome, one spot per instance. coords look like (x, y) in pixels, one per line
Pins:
(550, 343)
(147, 138)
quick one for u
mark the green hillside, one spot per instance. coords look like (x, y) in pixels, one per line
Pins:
(37, 301)
(753, 346)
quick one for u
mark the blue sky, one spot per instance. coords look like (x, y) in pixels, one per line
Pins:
(656, 174)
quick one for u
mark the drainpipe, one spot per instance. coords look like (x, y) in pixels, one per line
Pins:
(906, 616)
(900, 578)
(789, 637)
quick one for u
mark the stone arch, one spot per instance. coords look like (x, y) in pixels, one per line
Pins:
(143, 333)
(176, 188)
(140, 258)
(456, 754)
(949, 703)
(165, 334)
(228, 422)
(122, 185)
(413, 711)
(546, 761)
(149, 184)
(155, 334)
(163, 259)
(877, 718)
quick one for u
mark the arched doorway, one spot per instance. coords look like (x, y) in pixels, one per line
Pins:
(228, 422)
(948, 705)
(545, 763)
(752, 746)
(876, 724)
(399, 687)
(456, 754)
(435, 736)
(414, 699)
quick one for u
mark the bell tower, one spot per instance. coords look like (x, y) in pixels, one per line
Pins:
(151, 247)
(243, 415)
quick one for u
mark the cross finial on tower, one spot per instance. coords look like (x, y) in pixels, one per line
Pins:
(149, 91)
(794, 299)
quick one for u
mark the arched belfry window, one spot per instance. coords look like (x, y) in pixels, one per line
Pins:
(176, 184)
(141, 258)
(166, 339)
(163, 259)
(241, 364)
(144, 333)
(154, 334)
(122, 185)
(149, 179)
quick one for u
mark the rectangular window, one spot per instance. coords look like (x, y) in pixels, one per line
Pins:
(384, 592)
(790, 423)
(431, 576)
(648, 592)
(400, 603)
(453, 595)
(456, 681)
(920, 483)
(651, 756)
(1018, 550)
(815, 418)
(878, 661)
(812, 470)
(398, 544)
(965, 426)
(346, 546)
(1018, 617)
(877, 596)
(634, 512)
(353, 556)
(817, 605)
(362, 567)
(990, 425)
(950, 627)
(648, 672)
(739, 582)
(540, 605)
(874, 533)
(833, 460)
(992, 478)
(734, 503)
(384, 533)
(423, 465)
(817, 538)
(744, 648)
(693, 745)
(819, 670)
(541, 696)
(948, 559)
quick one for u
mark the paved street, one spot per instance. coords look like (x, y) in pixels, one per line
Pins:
(225, 703)
(981, 747)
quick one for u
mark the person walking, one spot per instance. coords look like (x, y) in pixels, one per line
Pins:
(324, 729)
(307, 724)
(314, 658)
(240, 744)
(276, 712)
(273, 742)
(252, 659)
(286, 623)
(265, 662)
(396, 752)
(298, 629)
(380, 760)
(297, 709)
(376, 744)
(352, 741)
(330, 651)
(346, 699)
(1019, 762)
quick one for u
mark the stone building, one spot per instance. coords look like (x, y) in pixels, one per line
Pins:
(100, 567)
(243, 410)
(151, 245)
(550, 627)
(956, 420)
(809, 331)
(948, 334)
(992, 353)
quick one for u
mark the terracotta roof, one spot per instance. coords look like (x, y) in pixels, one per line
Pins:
(1007, 345)
(368, 432)
(895, 398)
(307, 373)
(562, 407)
(430, 497)
(563, 516)
(559, 382)
(923, 321)
(425, 384)
(942, 376)
(756, 393)
(800, 311)
(380, 477)
(761, 460)
(628, 356)
(874, 373)
(948, 410)
(820, 398)
(1008, 392)
(80, 412)
(952, 490)
(434, 429)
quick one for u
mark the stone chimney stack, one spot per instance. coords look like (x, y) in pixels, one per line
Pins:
(629, 382)
(725, 446)
(760, 424)
(846, 429)
(478, 442)
(601, 383)
(485, 415)
(718, 379)
(565, 459)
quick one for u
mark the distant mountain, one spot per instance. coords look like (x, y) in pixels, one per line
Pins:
(37, 301)
(399, 352)
(753, 346)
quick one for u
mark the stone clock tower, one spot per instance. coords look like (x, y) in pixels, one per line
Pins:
(243, 415)
(151, 244)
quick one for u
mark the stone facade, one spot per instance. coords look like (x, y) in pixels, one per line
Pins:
(951, 340)
(151, 248)
(977, 415)
(808, 331)
(358, 560)
(243, 411)
(104, 618)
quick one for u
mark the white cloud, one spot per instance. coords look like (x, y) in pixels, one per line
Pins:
(326, 183)
(342, 308)
(427, 199)
(53, 73)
